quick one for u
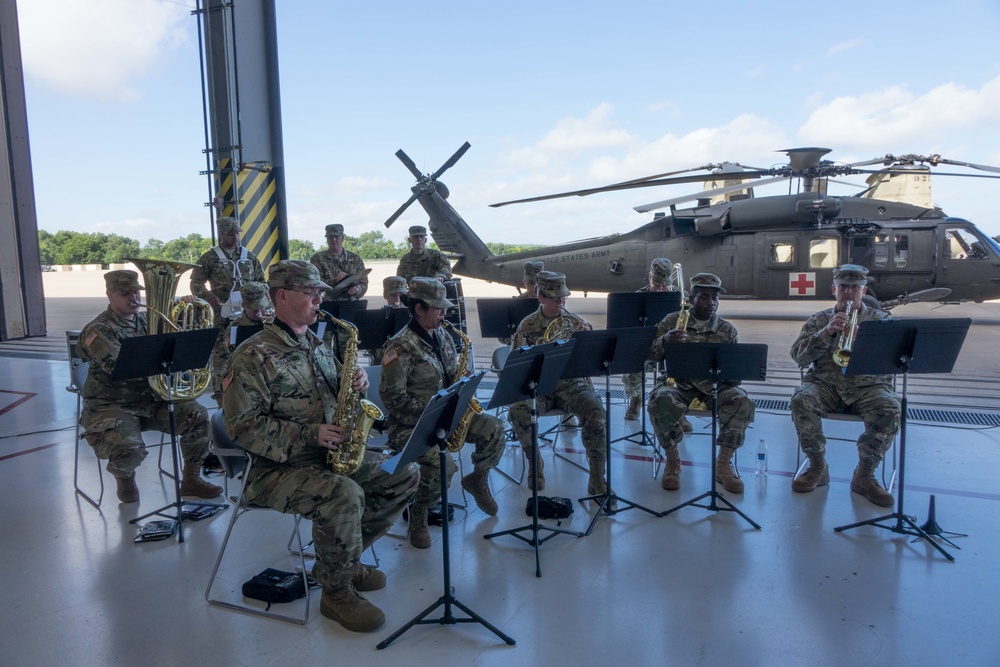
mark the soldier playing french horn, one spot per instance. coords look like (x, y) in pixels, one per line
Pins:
(279, 401)
(576, 396)
(418, 362)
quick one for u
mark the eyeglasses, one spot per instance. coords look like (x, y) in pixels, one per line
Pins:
(849, 288)
(313, 293)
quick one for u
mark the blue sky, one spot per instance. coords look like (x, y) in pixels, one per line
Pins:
(552, 96)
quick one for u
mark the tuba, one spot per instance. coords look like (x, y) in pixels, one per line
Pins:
(842, 355)
(163, 315)
(457, 438)
(355, 413)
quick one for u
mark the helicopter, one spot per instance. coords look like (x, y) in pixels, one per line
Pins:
(770, 248)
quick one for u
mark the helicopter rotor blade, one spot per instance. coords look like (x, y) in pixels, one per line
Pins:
(452, 160)
(906, 172)
(399, 211)
(405, 159)
(982, 167)
(704, 194)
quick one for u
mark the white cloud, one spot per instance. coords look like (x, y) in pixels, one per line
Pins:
(894, 116)
(98, 49)
(755, 73)
(573, 135)
(840, 47)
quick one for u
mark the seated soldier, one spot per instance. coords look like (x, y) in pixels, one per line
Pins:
(394, 290)
(257, 309)
(116, 412)
(668, 403)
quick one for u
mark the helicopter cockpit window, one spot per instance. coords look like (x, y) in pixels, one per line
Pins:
(880, 250)
(960, 243)
(901, 250)
(782, 252)
(823, 253)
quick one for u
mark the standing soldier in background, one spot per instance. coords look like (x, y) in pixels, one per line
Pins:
(115, 413)
(826, 388)
(257, 309)
(661, 279)
(667, 404)
(531, 270)
(422, 261)
(335, 264)
(419, 361)
(576, 396)
(226, 266)
(280, 401)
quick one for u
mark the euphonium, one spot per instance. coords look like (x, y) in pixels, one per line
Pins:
(355, 413)
(163, 315)
(457, 438)
(842, 355)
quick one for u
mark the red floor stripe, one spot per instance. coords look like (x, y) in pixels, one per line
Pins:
(29, 451)
(25, 395)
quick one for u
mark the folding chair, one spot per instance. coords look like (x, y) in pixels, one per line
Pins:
(79, 377)
(236, 462)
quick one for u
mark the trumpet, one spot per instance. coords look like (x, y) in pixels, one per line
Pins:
(842, 355)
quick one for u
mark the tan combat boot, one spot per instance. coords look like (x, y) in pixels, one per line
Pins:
(671, 479)
(724, 473)
(193, 485)
(634, 406)
(534, 461)
(864, 483)
(349, 608)
(420, 535)
(368, 578)
(128, 492)
(686, 425)
(818, 474)
(477, 483)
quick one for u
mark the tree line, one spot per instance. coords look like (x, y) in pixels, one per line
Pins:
(65, 247)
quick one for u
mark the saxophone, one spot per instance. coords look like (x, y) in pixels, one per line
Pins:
(355, 413)
(457, 439)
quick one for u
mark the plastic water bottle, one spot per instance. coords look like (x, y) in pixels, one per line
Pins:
(761, 468)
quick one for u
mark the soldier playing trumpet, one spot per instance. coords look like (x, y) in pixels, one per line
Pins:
(826, 388)
(418, 362)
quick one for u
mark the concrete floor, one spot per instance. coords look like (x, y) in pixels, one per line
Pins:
(694, 587)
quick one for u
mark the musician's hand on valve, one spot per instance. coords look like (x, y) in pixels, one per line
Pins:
(675, 336)
(330, 436)
(837, 324)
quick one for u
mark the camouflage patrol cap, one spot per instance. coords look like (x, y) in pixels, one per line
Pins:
(660, 270)
(335, 230)
(254, 296)
(294, 273)
(122, 281)
(707, 281)
(227, 225)
(394, 285)
(850, 274)
(430, 291)
(551, 284)
(531, 270)
(418, 230)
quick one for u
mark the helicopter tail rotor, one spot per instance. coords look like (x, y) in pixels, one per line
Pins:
(425, 182)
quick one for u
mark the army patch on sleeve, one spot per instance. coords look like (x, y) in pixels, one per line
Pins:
(389, 357)
(90, 339)
(227, 380)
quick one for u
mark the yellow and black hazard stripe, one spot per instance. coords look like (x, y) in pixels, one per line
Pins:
(258, 211)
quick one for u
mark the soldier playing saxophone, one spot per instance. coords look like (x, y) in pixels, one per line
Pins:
(280, 404)
(418, 362)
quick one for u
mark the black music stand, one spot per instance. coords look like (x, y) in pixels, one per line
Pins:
(498, 318)
(239, 334)
(438, 420)
(342, 310)
(166, 354)
(609, 353)
(378, 325)
(640, 309)
(733, 362)
(528, 372)
(903, 346)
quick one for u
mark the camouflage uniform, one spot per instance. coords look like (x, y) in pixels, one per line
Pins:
(576, 396)
(255, 298)
(632, 382)
(413, 371)
(115, 413)
(280, 387)
(825, 388)
(430, 264)
(211, 269)
(668, 404)
(348, 262)
(660, 272)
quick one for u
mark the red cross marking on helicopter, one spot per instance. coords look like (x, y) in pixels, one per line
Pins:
(801, 284)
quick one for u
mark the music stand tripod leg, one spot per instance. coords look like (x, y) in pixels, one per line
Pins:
(447, 599)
